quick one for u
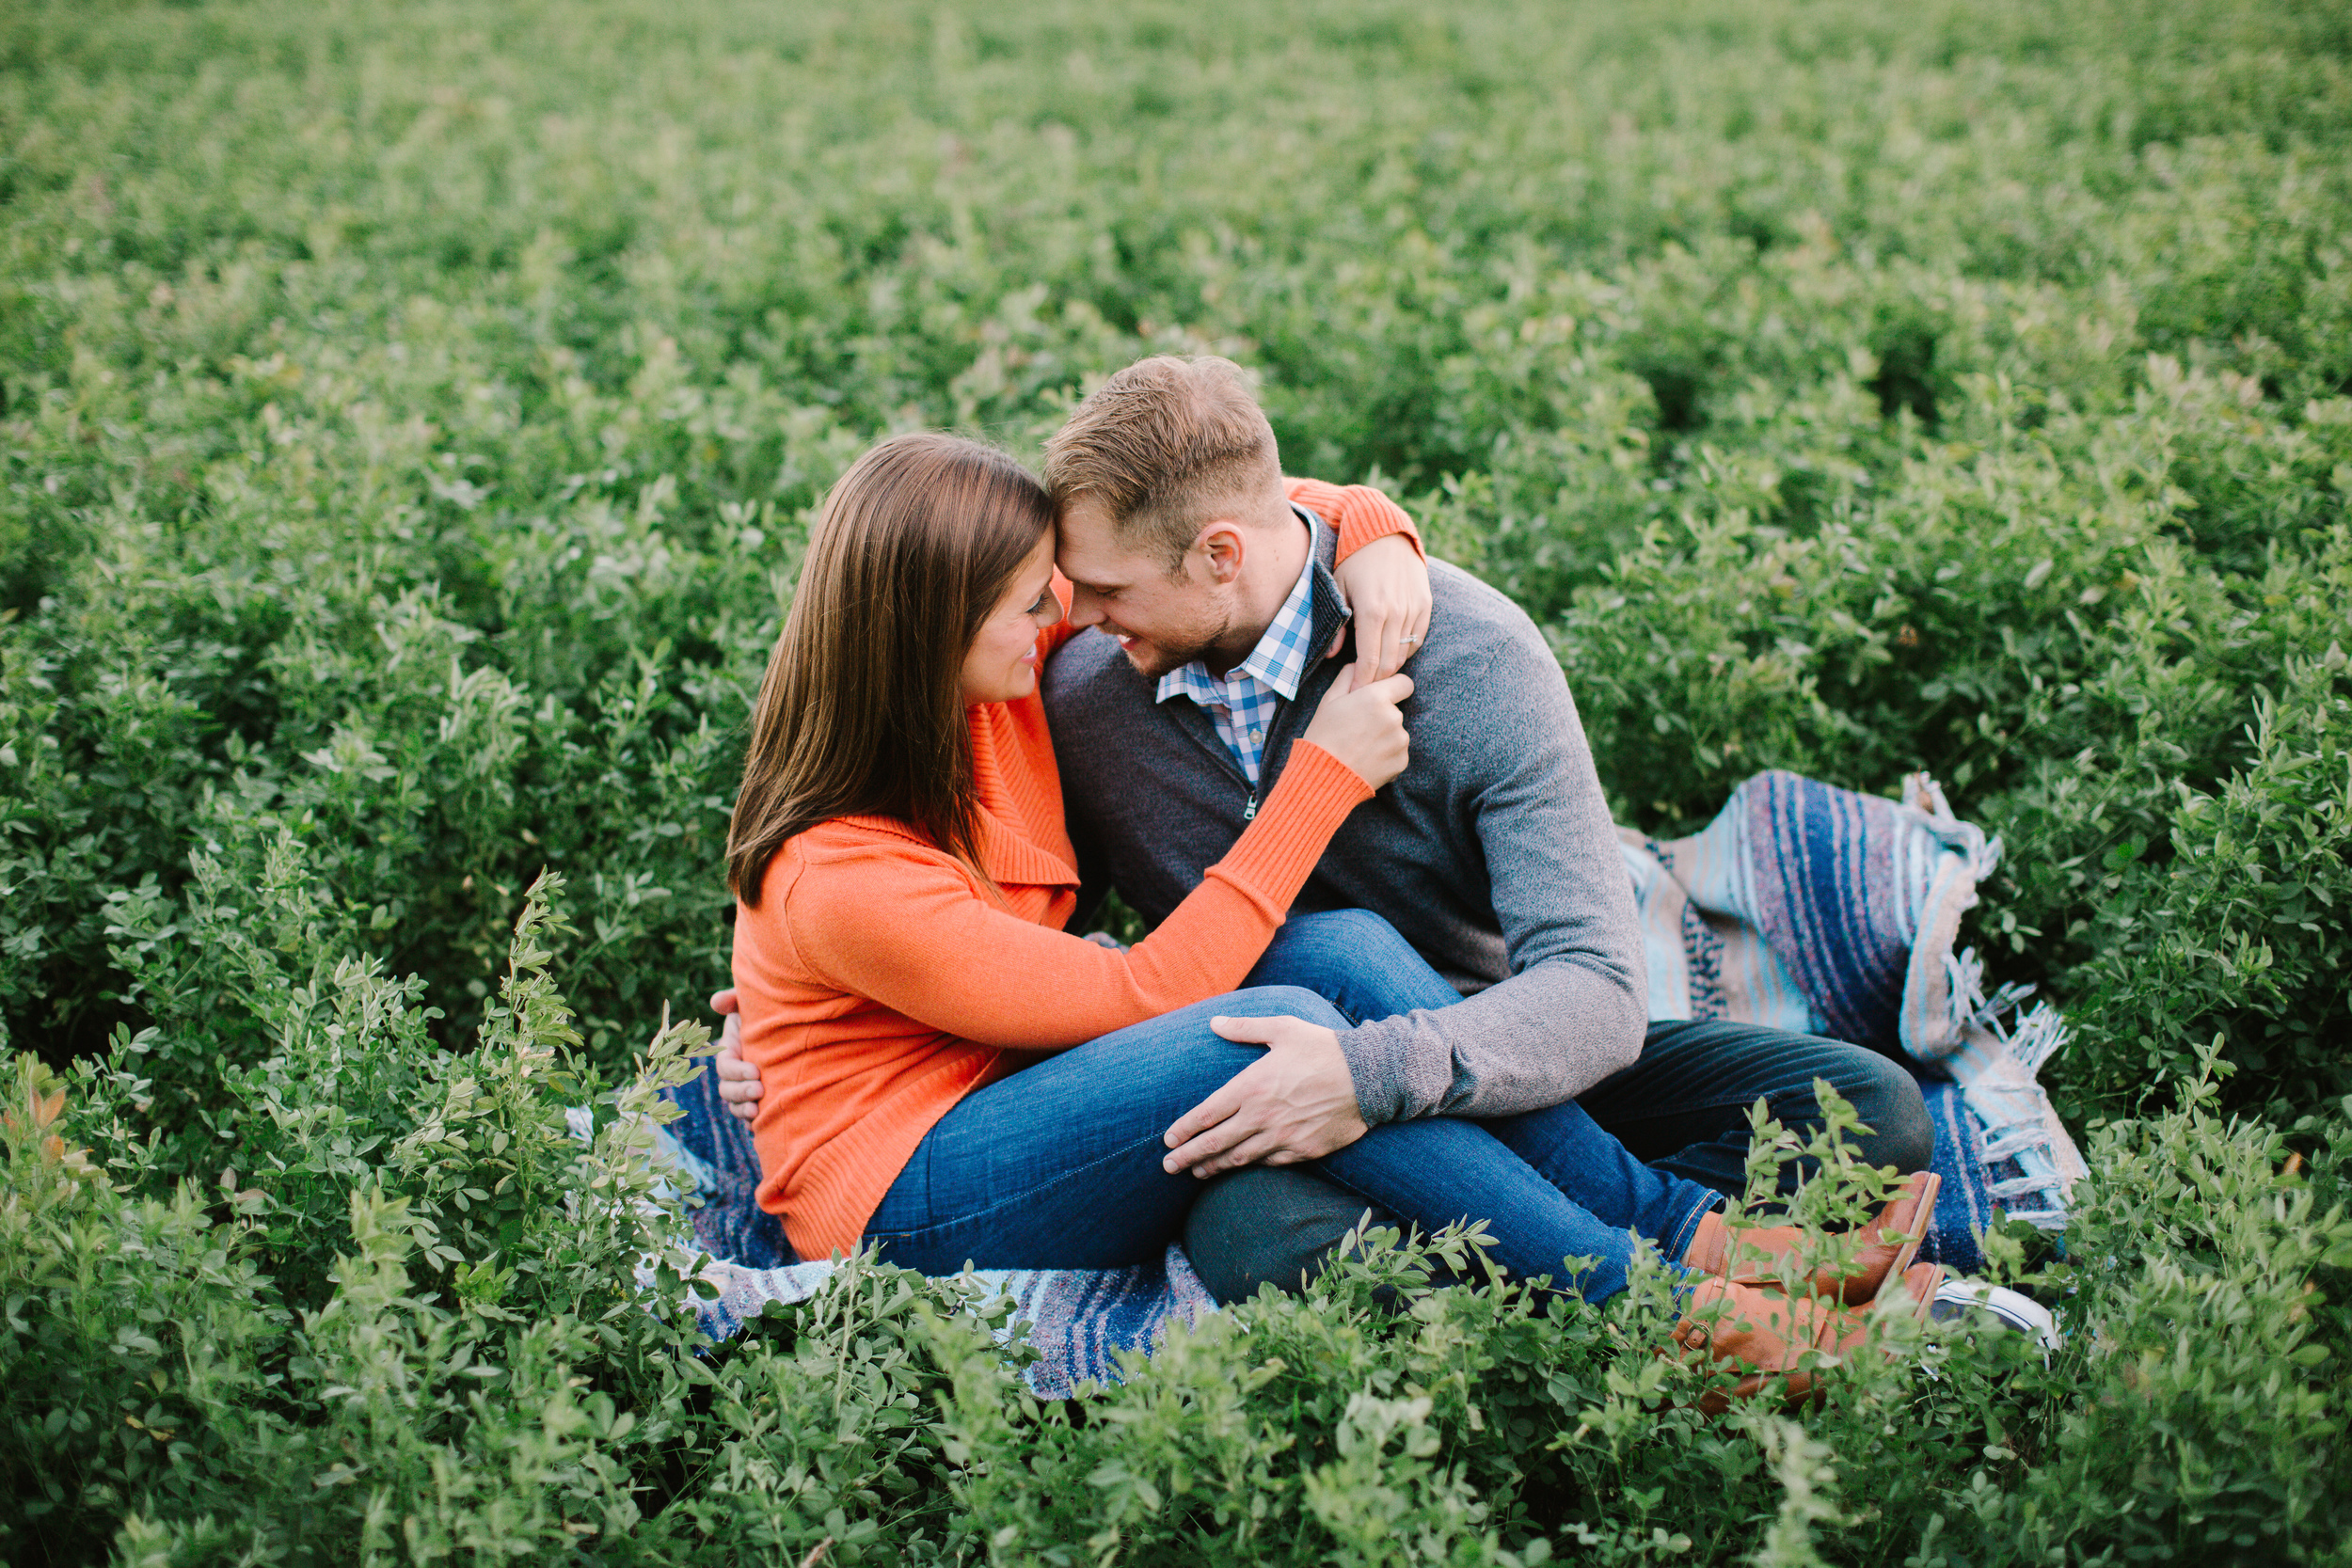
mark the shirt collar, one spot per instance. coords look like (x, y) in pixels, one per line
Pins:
(1281, 659)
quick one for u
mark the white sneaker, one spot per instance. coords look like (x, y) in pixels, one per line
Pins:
(1974, 1301)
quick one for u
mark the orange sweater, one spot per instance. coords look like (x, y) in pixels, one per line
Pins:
(880, 983)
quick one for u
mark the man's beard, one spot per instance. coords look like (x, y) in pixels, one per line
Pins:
(1154, 660)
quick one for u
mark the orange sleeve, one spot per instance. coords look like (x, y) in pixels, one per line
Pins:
(1357, 513)
(906, 928)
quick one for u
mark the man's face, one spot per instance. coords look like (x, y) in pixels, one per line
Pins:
(1163, 621)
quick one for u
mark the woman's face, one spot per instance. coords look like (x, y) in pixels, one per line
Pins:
(1001, 664)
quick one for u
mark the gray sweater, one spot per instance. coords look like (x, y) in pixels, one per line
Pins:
(1492, 853)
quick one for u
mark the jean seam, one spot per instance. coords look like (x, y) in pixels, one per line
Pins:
(1704, 1202)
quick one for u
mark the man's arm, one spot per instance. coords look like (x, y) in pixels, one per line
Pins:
(1575, 1007)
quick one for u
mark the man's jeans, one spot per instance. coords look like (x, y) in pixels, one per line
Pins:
(1682, 1107)
(1058, 1165)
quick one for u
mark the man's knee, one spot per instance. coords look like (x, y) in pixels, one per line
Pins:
(1268, 1225)
(1887, 1098)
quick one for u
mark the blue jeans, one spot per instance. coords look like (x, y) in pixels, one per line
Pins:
(1058, 1166)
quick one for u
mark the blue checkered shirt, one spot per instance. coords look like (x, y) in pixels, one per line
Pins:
(1242, 704)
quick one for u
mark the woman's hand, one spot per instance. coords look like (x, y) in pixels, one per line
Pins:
(1361, 726)
(1386, 584)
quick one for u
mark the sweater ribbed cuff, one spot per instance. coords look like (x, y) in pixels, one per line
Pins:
(1375, 1060)
(1360, 526)
(1277, 851)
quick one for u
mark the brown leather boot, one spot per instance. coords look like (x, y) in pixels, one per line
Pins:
(1770, 1334)
(1885, 1248)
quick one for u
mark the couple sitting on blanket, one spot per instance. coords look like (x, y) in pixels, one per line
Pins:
(1412, 987)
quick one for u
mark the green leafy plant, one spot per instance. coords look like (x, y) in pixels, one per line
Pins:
(408, 426)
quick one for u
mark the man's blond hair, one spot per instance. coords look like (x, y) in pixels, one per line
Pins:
(1165, 446)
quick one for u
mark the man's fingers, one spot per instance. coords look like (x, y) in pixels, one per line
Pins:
(1205, 1146)
(1241, 1123)
(739, 1088)
(1248, 1031)
(1208, 1114)
(1249, 1151)
(739, 1080)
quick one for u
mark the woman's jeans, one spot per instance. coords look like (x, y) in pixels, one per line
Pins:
(1058, 1165)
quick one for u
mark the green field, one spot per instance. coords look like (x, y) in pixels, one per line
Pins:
(412, 413)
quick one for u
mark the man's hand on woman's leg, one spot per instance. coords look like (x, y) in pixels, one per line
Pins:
(739, 1081)
(1295, 1102)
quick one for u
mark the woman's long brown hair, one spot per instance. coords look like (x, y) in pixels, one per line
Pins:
(862, 711)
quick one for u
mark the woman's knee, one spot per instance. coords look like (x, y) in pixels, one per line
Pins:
(1280, 1002)
(1356, 927)
(1355, 959)
(1356, 937)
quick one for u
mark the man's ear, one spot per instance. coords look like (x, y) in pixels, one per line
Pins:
(1223, 544)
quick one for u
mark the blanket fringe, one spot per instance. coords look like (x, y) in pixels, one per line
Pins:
(1995, 1068)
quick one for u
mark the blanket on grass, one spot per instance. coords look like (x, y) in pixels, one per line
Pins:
(1810, 908)
(1078, 1320)
(1802, 906)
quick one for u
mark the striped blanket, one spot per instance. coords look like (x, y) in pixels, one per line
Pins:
(1800, 906)
(1810, 908)
(1077, 1320)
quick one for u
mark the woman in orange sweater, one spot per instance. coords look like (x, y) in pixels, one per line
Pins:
(951, 1078)
(898, 853)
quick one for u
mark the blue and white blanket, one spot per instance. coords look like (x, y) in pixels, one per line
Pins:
(1077, 1319)
(1810, 908)
(1802, 906)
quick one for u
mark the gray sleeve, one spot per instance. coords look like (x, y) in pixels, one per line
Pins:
(1575, 1007)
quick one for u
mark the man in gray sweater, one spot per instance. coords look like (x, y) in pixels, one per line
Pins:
(1493, 854)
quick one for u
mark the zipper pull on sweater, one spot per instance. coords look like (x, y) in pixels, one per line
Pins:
(1250, 812)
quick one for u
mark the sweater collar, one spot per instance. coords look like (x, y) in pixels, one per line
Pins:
(1332, 611)
(1284, 654)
